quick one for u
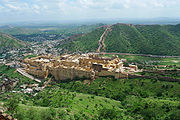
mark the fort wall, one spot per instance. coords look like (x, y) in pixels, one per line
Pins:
(61, 73)
(38, 73)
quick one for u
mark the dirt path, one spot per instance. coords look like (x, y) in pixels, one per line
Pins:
(102, 38)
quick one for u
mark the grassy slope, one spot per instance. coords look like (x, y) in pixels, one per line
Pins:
(80, 103)
(87, 42)
(118, 89)
(125, 38)
(141, 97)
(7, 41)
(147, 39)
(80, 107)
(161, 40)
(89, 105)
(136, 98)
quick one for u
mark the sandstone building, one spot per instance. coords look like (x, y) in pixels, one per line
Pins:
(70, 66)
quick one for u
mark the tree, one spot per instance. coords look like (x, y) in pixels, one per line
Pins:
(49, 114)
(109, 114)
(12, 105)
(175, 115)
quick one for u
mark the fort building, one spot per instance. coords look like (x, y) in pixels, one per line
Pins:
(71, 66)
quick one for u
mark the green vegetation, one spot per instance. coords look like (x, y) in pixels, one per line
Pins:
(119, 89)
(29, 56)
(11, 73)
(143, 60)
(140, 39)
(105, 98)
(62, 104)
(7, 41)
(86, 42)
(143, 98)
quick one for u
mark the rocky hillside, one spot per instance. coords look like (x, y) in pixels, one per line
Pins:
(9, 42)
(127, 38)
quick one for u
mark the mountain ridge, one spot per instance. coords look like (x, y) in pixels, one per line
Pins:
(129, 38)
(9, 42)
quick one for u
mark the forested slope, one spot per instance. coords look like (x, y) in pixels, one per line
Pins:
(8, 42)
(126, 38)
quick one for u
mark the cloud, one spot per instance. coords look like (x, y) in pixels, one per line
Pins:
(36, 7)
(13, 7)
(1, 7)
(74, 5)
(45, 7)
(22, 7)
(156, 3)
(78, 9)
(110, 4)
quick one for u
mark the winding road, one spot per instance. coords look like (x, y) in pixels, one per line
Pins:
(102, 38)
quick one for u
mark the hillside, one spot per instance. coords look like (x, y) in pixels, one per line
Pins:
(7, 41)
(127, 38)
(105, 98)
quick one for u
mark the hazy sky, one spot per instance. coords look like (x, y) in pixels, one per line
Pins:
(38, 10)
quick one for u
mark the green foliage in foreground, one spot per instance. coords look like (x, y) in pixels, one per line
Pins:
(61, 104)
(120, 88)
(105, 98)
(140, 39)
(143, 98)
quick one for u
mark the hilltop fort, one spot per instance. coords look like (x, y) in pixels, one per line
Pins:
(70, 66)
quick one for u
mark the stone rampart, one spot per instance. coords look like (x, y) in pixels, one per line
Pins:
(61, 73)
(116, 75)
(38, 73)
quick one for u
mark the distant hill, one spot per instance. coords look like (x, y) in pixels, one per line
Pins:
(9, 42)
(49, 29)
(127, 38)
